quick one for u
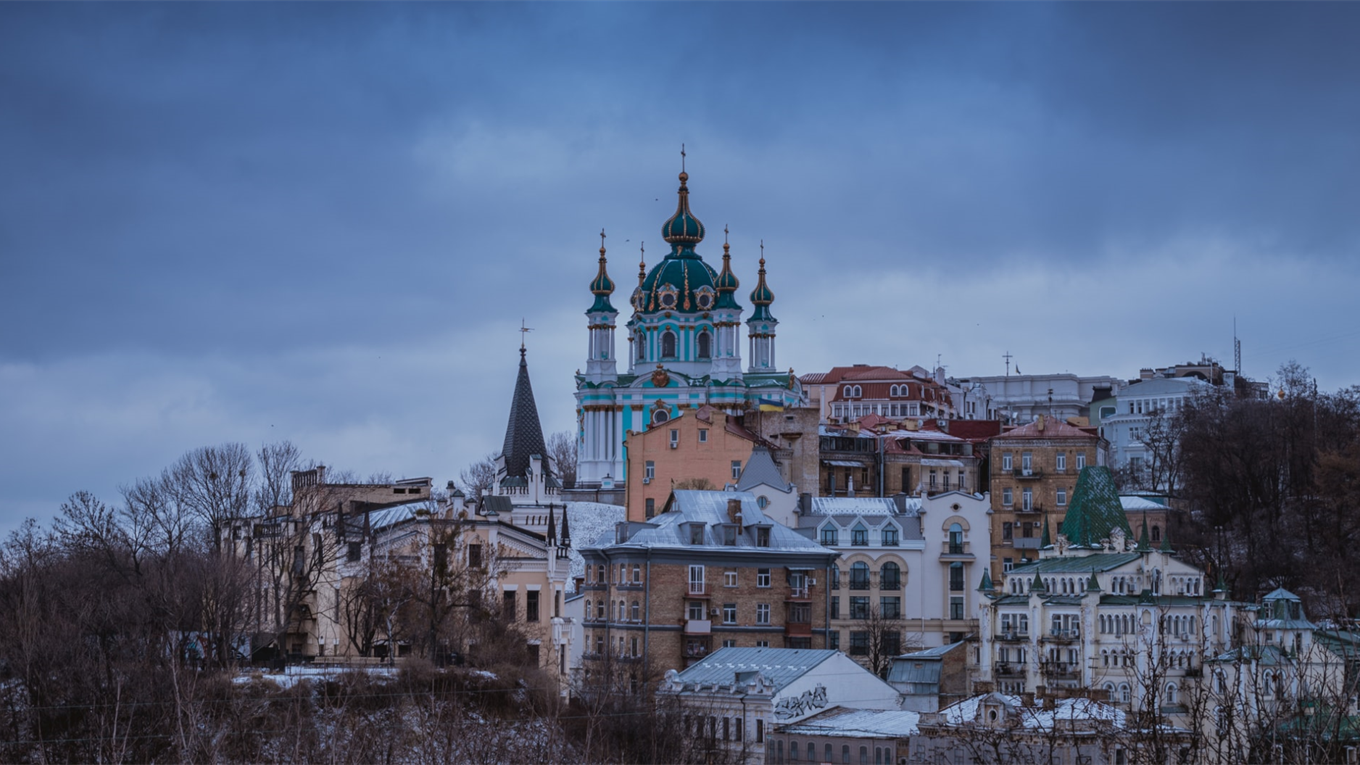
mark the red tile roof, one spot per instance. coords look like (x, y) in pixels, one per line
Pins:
(1052, 429)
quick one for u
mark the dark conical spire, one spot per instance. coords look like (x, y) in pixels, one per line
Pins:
(523, 433)
(566, 530)
(1166, 540)
(986, 585)
(1143, 537)
(1046, 541)
(552, 528)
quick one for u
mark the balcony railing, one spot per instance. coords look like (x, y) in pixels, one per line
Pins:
(1013, 637)
(859, 584)
(1006, 669)
(1030, 474)
(1060, 669)
(1026, 543)
(1060, 635)
(698, 589)
(893, 583)
(698, 626)
(798, 593)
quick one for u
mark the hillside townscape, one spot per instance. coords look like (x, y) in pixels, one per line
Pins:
(727, 562)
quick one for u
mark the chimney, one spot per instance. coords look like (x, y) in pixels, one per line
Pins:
(1039, 423)
(1027, 699)
(734, 511)
(320, 475)
(805, 504)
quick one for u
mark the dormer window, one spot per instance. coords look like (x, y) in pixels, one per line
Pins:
(696, 534)
(859, 536)
(762, 536)
(730, 535)
(829, 536)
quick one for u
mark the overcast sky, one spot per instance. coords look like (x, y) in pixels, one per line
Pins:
(324, 223)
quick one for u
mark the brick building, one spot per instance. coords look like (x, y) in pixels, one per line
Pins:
(709, 571)
(1034, 472)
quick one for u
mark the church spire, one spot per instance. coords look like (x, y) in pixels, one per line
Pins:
(523, 432)
(602, 286)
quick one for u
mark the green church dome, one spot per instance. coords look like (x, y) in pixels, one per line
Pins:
(682, 281)
(762, 296)
(683, 228)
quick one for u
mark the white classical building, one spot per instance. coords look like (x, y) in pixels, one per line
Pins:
(1017, 399)
(1134, 408)
(904, 560)
(1099, 610)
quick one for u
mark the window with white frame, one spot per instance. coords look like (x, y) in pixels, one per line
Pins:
(696, 578)
(1007, 498)
(1006, 461)
(762, 613)
(1081, 460)
(729, 579)
(1062, 497)
(762, 577)
(1060, 463)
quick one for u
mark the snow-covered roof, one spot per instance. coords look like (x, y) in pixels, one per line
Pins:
(779, 666)
(588, 520)
(1034, 718)
(851, 506)
(857, 723)
(1133, 502)
(710, 509)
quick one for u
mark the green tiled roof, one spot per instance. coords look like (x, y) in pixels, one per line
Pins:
(1095, 509)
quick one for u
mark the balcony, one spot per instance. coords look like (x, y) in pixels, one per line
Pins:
(698, 626)
(859, 584)
(698, 590)
(1062, 636)
(1031, 474)
(1026, 543)
(1013, 637)
(957, 551)
(798, 593)
(1006, 669)
(1061, 670)
(696, 648)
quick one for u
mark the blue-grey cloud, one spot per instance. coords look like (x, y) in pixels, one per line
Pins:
(245, 206)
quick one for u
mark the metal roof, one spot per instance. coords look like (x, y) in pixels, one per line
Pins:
(852, 506)
(857, 723)
(780, 666)
(760, 469)
(1084, 564)
(710, 509)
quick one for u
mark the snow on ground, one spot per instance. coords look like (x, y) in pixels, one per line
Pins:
(590, 520)
(295, 674)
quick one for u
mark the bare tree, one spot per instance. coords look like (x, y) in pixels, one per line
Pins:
(562, 452)
(883, 634)
(479, 477)
(215, 483)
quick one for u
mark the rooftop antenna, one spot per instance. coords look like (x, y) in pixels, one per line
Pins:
(1007, 357)
(1237, 349)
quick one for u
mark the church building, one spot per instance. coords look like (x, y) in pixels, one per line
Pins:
(684, 350)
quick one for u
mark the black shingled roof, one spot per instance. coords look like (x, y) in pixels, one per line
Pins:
(523, 433)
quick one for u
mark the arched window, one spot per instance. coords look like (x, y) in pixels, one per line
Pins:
(705, 351)
(641, 346)
(660, 416)
(864, 755)
(827, 757)
(1172, 695)
(890, 576)
(1109, 689)
(859, 576)
(858, 392)
(590, 612)
(955, 539)
(793, 751)
(845, 754)
(1125, 695)
(1156, 533)
(635, 613)
(668, 344)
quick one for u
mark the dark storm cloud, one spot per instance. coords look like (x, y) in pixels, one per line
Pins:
(220, 205)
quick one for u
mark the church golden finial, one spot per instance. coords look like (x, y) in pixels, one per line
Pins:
(642, 264)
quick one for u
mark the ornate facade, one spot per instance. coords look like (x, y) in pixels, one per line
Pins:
(684, 349)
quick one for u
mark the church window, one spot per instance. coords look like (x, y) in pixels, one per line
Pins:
(705, 341)
(641, 346)
(660, 416)
(668, 344)
(1156, 533)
